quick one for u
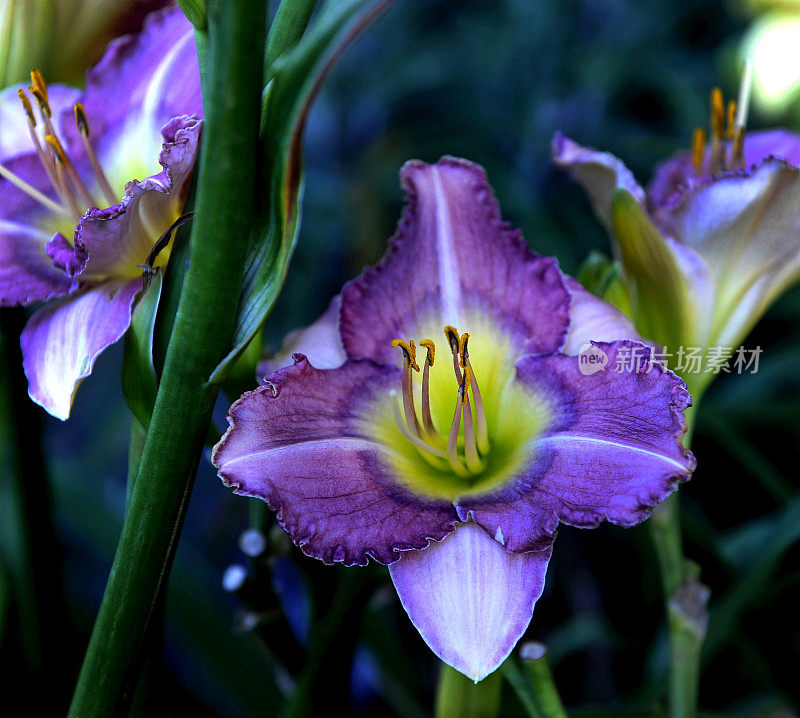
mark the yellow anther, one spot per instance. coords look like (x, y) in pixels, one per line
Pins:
(463, 395)
(698, 148)
(431, 347)
(717, 114)
(409, 352)
(453, 340)
(80, 119)
(731, 123)
(463, 352)
(37, 80)
(52, 140)
(26, 103)
(41, 98)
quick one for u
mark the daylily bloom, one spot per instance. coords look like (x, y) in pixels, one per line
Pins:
(74, 224)
(714, 239)
(453, 427)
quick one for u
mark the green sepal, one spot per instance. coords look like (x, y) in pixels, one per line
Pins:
(660, 296)
(602, 276)
(195, 11)
(139, 380)
(297, 76)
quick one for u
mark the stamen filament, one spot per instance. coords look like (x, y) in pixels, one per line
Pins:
(419, 443)
(427, 421)
(452, 441)
(70, 172)
(480, 413)
(409, 365)
(83, 126)
(63, 190)
(34, 193)
(474, 463)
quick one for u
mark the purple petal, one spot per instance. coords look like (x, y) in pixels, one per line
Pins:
(469, 598)
(26, 271)
(302, 444)
(779, 143)
(320, 342)
(63, 339)
(143, 80)
(118, 239)
(451, 259)
(15, 136)
(599, 173)
(611, 452)
(593, 319)
(670, 179)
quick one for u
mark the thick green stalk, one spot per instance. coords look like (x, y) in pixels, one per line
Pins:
(685, 599)
(459, 697)
(200, 338)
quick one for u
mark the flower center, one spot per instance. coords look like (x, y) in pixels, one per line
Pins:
(727, 131)
(443, 433)
(74, 197)
(463, 452)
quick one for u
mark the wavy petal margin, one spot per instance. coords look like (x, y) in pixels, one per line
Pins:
(299, 444)
(453, 256)
(612, 451)
(118, 239)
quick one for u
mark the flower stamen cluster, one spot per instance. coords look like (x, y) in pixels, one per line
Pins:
(73, 194)
(464, 454)
(727, 127)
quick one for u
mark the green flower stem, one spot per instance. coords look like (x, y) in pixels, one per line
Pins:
(459, 697)
(27, 530)
(545, 693)
(685, 600)
(522, 687)
(201, 337)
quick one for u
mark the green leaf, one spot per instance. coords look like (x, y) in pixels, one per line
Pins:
(660, 296)
(298, 75)
(139, 381)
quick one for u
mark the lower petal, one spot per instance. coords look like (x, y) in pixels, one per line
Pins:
(63, 339)
(469, 598)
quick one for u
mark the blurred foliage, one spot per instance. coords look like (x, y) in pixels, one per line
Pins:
(490, 80)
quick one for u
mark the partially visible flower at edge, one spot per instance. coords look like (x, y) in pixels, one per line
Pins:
(74, 227)
(62, 37)
(453, 455)
(715, 238)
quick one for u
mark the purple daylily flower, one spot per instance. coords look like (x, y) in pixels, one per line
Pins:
(457, 474)
(713, 240)
(74, 226)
